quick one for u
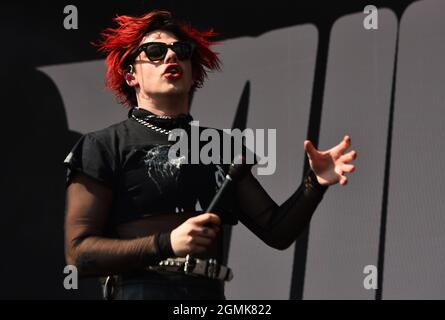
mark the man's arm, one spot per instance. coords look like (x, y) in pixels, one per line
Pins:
(277, 226)
(86, 247)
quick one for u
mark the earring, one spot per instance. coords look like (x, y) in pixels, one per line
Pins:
(129, 76)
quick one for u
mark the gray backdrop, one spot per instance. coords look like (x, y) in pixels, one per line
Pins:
(386, 89)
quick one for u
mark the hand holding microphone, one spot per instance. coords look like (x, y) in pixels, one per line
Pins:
(197, 234)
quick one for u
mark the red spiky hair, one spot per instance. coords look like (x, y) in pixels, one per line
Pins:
(118, 43)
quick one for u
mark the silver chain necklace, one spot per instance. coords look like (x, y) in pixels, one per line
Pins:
(151, 126)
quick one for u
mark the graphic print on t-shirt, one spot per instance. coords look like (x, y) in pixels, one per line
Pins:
(160, 169)
(183, 187)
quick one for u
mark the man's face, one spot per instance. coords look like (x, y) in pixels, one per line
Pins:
(153, 78)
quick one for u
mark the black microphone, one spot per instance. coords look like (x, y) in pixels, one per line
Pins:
(236, 170)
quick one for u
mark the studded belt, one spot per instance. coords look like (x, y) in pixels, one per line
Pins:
(189, 265)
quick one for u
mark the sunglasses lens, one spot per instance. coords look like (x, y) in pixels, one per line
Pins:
(156, 52)
(183, 50)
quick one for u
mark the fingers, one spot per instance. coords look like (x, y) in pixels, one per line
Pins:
(207, 219)
(346, 143)
(348, 157)
(206, 226)
(345, 167)
(343, 180)
(195, 235)
(348, 168)
(341, 170)
(340, 148)
(309, 148)
(202, 238)
(206, 232)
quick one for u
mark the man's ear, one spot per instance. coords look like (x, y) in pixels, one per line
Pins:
(129, 76)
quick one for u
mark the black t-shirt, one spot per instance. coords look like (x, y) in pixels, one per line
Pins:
(132, 159)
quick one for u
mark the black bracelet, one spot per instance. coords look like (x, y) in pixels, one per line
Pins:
(311, 179)
(164, 246)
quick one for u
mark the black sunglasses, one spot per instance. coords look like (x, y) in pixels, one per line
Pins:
(156, 51)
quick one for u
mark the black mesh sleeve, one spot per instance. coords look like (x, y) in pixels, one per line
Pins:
(278, 226)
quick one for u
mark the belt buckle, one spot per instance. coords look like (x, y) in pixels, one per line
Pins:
(193, 266)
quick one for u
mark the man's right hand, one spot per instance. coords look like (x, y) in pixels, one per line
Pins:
(195, 235)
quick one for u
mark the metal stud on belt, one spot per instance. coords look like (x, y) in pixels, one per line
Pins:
(189, 264)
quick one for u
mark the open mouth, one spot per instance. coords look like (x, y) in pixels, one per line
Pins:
(173, 72)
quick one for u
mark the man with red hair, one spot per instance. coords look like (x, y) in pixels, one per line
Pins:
(135, 215)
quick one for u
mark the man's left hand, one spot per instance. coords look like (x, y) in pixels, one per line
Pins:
(330, 166)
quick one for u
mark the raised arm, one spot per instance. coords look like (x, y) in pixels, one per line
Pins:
(278, 226)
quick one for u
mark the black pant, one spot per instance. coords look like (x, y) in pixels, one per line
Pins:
(153, 286)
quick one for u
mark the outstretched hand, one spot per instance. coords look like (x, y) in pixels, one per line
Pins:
(331, 165)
